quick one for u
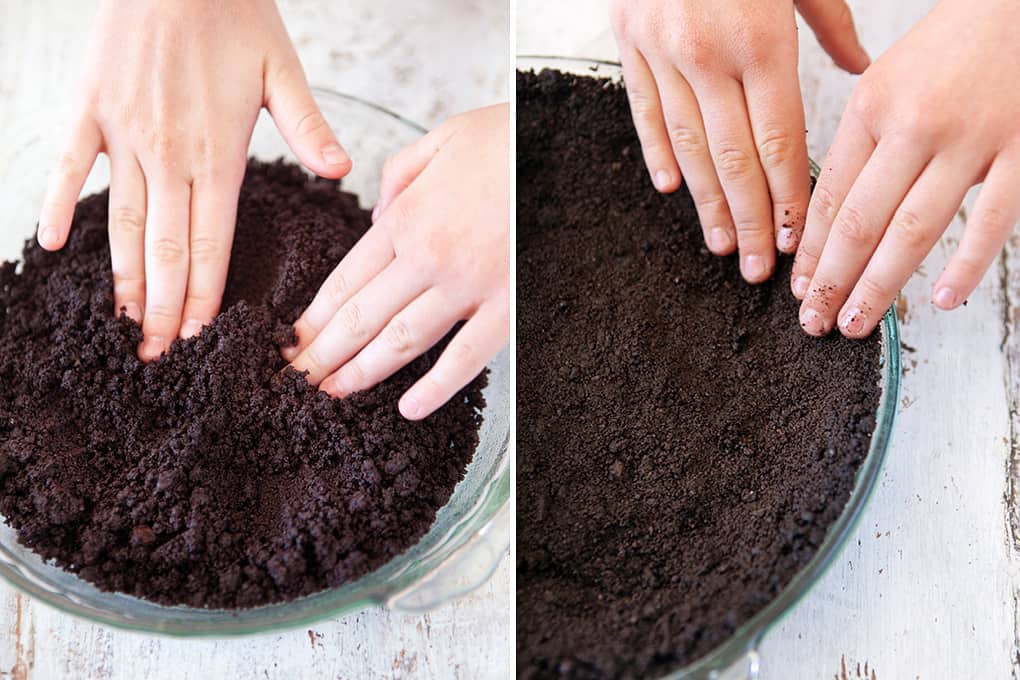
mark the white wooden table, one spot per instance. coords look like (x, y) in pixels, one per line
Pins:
(929, 587)
(423, 60)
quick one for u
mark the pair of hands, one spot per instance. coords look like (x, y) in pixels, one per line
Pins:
(173, 106)
(714, 90)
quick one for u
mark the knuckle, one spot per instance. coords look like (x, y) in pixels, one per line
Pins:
(686, 140)
(353, 376)
(909, 229)
(205, 249)
(823, 203)
(866, 101)
(162, 145)
(733, 163)
(398, 337)
(128, 221)
(695, 49)
(337, 288)
(775, 149)
(160, 313)
(167, 251)
(351, 318)
(992, 221)
(67, 165)
(643, 106)
(311, 123)
(871, 290)
(313, 360)
(852, 226)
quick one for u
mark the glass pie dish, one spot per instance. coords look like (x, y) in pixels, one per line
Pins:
(738, 656)
(471, 532)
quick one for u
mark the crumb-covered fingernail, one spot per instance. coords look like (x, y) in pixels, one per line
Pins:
(786, 239)
(853, 321)
(812, 321)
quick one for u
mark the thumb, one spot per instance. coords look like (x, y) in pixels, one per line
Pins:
(308, 134)
(401, 169)
(833, 25)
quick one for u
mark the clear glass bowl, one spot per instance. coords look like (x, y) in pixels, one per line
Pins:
(471, 533)
(738, 656)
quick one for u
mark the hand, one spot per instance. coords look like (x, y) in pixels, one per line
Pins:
(437, 253)
(936, 114)
(714, 92)
(172, 92)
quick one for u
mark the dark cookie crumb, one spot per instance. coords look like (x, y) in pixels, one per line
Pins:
(683, 445)
(210, 478)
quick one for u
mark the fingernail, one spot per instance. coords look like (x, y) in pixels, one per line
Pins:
(191, 327)
(375, 212)
(786, 239)
(410, 407)
(152, 347)
(853, 321)
(289, 353)
(719, 240)
(334, 154)
(754, 267)
(662, 180)
(945, 297)
(132, 311)
(47, 236)
(812, 322)
(800, 286)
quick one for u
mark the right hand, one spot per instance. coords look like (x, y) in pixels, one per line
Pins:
(714, 93)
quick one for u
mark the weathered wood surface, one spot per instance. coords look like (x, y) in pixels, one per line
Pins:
(423, 60)
(928, 587)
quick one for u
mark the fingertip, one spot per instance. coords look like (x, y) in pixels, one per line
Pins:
(755, 269)
(946, 298)
(665, 181)
(812, 321)
(151, 348)
(336, 162)
(50, 238)
(721, 241)
(289, 353)
(411, 407)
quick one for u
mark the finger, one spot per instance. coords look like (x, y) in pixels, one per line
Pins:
(127, 236)
(66, 183)
(690, 147)
(920, 220)
(740, 174)
(166, 262)
(857, 229)
(407, 336)
(308, 134)
(213, 218)
(850, 151)
(776, 111)
(359, 320)
(402, 168)
(369, 256)
(474, 345)
(991, 222)
(646, 110)
(833, 25)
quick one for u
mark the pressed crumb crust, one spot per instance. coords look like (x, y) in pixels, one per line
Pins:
(683, 445)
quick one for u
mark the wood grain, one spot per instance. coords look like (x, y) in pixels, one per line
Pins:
(928, 587)
(422, 60)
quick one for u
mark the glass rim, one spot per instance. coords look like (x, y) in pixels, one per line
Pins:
(744, 642)
(491, 499)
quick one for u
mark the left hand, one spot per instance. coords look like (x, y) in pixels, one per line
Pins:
(935, 115)
(438, 252)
